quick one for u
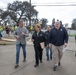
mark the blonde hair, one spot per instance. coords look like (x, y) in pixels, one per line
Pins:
(38, 26)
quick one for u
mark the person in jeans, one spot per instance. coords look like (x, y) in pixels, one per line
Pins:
(48, 50)
(58, 38)
(20, 34)
(38, 37)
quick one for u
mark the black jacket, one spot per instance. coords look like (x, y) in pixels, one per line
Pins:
(47, 37)
(38, 39)
(58, 37)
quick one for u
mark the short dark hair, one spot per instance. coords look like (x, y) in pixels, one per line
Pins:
(50, 26)
(20, 21)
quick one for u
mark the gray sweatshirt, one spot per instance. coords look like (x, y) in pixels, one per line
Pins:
(18, 32)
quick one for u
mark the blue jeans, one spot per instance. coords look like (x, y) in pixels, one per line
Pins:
(48, 55)
(18, 46)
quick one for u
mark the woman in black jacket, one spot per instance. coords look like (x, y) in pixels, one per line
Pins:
(38, 37)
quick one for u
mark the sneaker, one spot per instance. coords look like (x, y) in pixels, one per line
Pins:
(55, 68)
(16, 66)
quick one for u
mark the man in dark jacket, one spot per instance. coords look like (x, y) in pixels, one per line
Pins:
(58, 38)
(37, 38)
(49, 56)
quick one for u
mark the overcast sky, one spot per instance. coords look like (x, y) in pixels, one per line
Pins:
(64, 13)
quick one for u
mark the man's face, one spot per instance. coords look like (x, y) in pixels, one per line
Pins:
(21, 24)
(57, 25)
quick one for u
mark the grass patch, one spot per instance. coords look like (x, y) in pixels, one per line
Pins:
(3, 42)
(9, 37)
(6, 42)
(71, 35)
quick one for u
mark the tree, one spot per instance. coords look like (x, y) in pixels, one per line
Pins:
(53, 22)
(44, 22)
(61, 23)
(19, 10)
(74, 24)
(1, 11)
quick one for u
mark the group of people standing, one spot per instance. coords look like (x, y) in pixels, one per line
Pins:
(55, 38)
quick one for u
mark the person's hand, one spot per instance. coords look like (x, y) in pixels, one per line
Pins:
(32, 40)
(65, 44)
(18, 37)
(50, 45)
(23, 33)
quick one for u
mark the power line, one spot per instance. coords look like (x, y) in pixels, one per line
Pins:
(54, 5)
(51, 4)
(57, 3)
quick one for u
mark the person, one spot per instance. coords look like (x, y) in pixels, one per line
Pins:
(12, 29)
(47, 43)
(58, 37)
(20, 34)
(38, 37)
(0, 35)
(7, 30)
(75, 38)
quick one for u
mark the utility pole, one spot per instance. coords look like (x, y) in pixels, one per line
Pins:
(30, 12)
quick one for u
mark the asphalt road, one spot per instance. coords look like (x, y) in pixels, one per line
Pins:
(7, 62)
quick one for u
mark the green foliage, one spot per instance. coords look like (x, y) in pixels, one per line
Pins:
(19, 10)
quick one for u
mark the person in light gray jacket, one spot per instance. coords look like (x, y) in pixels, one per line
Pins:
(20, 34)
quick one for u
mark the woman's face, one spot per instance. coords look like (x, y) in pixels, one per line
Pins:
(36, 28)
(48, 28)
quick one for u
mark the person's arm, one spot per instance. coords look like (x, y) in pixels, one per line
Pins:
(66, 37)
(50, 39)
(46, 39)
(32, 38)
(15, 34)
(26, 32)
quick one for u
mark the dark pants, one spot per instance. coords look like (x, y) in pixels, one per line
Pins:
(18, 46)
(38, 54)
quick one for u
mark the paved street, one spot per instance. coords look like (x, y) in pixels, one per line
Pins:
(7, 62)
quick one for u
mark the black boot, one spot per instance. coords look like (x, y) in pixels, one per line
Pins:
(55, 68)
(16, 66)
(24, 60)
(36, 65)
(59, 64)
